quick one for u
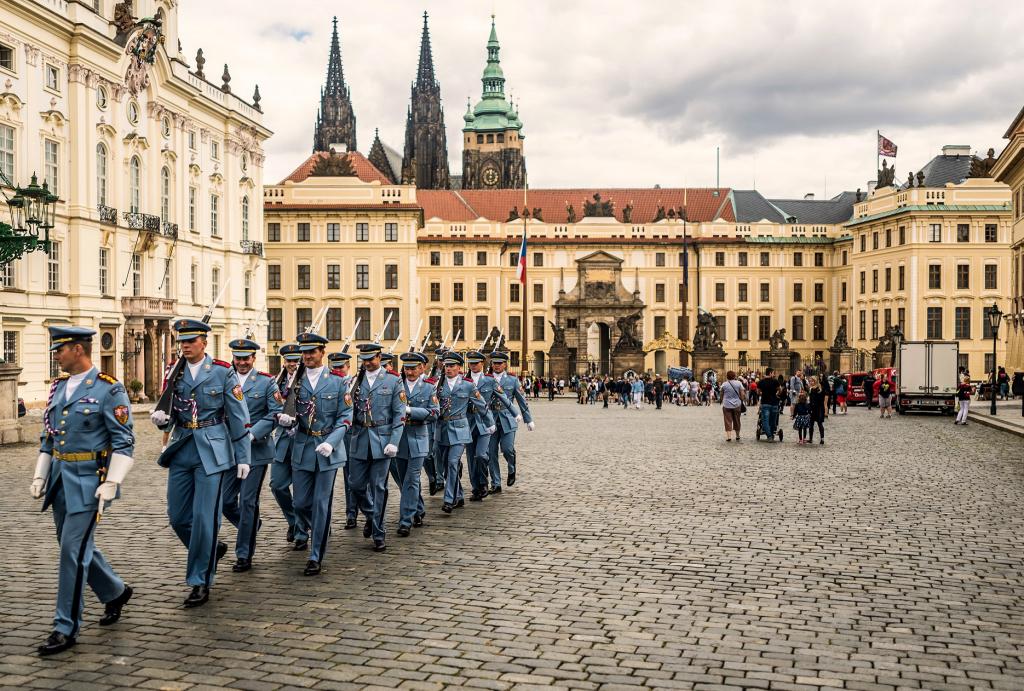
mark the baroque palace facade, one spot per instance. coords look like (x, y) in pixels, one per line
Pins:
(159, 173)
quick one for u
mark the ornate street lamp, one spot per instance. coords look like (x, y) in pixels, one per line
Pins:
(33, 211)
(994, 317)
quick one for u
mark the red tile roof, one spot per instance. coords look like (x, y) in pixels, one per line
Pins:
(466, 205)
(365, 170)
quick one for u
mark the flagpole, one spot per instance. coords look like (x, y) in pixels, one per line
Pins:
(526, 322)
(878, 155)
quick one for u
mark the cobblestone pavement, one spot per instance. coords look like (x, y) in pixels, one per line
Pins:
(638, 548)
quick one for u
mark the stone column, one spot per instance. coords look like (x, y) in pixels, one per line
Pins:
(703, 360)
(842, 359)
(10, 428)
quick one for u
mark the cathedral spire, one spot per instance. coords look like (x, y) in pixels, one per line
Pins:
(425, 159)
(336, 120)
(425, 71)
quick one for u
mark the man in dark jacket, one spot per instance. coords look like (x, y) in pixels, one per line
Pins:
(869, 389)
(659, 390)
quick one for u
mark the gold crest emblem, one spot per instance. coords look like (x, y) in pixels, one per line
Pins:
(277, 397)
(237, 392)
(348, 399)
(121, 414)
(401, 396)
(434, 399)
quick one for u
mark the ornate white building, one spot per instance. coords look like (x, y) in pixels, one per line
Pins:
(159, 172)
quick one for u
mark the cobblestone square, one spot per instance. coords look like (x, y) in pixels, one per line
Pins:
(636, 549)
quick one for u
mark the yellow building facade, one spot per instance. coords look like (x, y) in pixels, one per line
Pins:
(1009, 169)
(159, 174)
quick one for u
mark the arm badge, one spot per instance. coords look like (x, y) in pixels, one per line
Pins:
(277, 397)
(121, 414)
(401, 396)
(237, 392)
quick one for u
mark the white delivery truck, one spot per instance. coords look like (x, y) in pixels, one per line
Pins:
(927, 376)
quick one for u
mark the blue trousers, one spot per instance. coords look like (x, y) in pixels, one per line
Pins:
(193, 507)
(351, 503)
(241, 499)
(369, 478)
(452, 455)
(80, 562)
(406, 472)
(506, 441)
(477, 453)
(280, 487)
(314, 498)
(769, 419)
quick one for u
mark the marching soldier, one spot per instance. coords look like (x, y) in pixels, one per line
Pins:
(210, 438)
(340, 363)
(323, 416)
(281, 469)
(377, 424)
(85, 452)
(478, 450)
(456, 397)
(506, 418)
(421, 408)
(242, 497)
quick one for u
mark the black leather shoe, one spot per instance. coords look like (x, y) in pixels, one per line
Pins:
(56, 643)
(460, 503)
(312, 568)
(112, 610)
(433, 488)
(379, 546)
(301, 545)
(403, 531)
(446, 507)
(200, 595)
(495, 490)
(477, 496)
(417, 521)
(350, 523)
(222, 549)
(511, 479)
(367, 529)
(291, 534)
(242, 565)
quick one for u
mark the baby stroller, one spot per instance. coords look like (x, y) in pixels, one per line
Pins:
(760, 431)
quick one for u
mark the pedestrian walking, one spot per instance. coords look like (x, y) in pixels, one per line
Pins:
(769, 409)
(885, 398)
(869, 389)
(963, 396)
(733, 404)
(817, 400)
(841, 394)
(801, 417)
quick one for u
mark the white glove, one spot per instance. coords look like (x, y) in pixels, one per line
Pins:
(390, 450)
(519, 418)
(408, 410)
(42, 472)
(492, 429)
(530, 426)
(107, 491)
(243, 470)
(325, 449)
(159, 418)
(285, 420)
(251, 438)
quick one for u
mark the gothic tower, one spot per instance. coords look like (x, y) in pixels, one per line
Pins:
(425, 161)
(335, 121)
(492, 155)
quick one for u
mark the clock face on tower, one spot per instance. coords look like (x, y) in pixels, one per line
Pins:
(490, 176)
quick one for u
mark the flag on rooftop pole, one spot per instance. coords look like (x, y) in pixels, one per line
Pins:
(886, 147)
(521, 267)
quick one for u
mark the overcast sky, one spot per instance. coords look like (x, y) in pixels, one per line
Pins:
(638, 94)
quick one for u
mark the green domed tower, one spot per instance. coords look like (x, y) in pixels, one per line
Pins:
(492, 155)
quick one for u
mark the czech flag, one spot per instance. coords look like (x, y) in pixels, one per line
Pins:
(521, 268)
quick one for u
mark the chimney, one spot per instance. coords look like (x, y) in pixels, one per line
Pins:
(956, 150)
(809, 195)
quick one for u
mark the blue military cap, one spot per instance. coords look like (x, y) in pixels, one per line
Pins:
(453, 358)
(62, 335)
(499, 356)
(338, 358)
(387, 357)
(412, 359)
(474, 356)
(243, 347)
(311, 341)
(191, 328)
(368, 351)
(290, 351)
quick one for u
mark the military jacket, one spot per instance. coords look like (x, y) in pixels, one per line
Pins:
(377, 416)
(421, 398)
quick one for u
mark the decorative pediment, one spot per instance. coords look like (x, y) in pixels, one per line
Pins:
(105, 130)
(194, 170)
(54, 118)
(599, 257)
(665, 342)
(168, 155)
(10, 106)
(216, 179)
(246, 183)
(136, 142)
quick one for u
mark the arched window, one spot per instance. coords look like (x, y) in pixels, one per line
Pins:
(101, 174)
(245, 219)
(134, 185)
(165, 194)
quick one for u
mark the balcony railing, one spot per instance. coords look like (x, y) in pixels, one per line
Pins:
(170, 230)
(108, 214)
(252, 247)
(147, 307)
(140, 221)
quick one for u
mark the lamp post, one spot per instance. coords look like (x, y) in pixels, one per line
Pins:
(994, 317)
(32, 211)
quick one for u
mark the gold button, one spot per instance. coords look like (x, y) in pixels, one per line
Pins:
(65, 413)
(62, 422)
(62, 442)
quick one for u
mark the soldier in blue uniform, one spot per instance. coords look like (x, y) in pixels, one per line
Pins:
(281, 469)
(340, 362)
(478, 450)
(210, 438)
(421, 409)
(457, 397)
(323, 415)
(241, 498)
(377, 423)
(506, 418)
(85, 452)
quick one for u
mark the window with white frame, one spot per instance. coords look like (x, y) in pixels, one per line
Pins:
(333, 232)
(247, 288)
(11, 347)
(133, 112)
(390, 232)
(101, 97)
(104, 274)
(51, 165)
(192, 210)
(101, 174)
(215, 150)
(214, 215)
(7, 57)
(245, 219)
(134, 185)
(7, 152)
(192, 140)
(194, 282)
(214, 283)
(53, 267)
(935, 232)
(136, 275)
(165, 194)
(7, 275)
(52, 78)
(168, 275)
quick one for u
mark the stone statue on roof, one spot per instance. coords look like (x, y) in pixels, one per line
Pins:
(886, 175)
(627, 213)
(333, 165)
(982, 168)
(513, 214)
(598, 208)
(570, 213)
(537, 214)
(660, 215)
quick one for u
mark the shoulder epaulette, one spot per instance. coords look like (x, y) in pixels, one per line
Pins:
(222, 363)
(338, 373)
(431, 380)
(265, 374)
(107, 378)
(62, 375)
(488, 374)
(469, 379)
